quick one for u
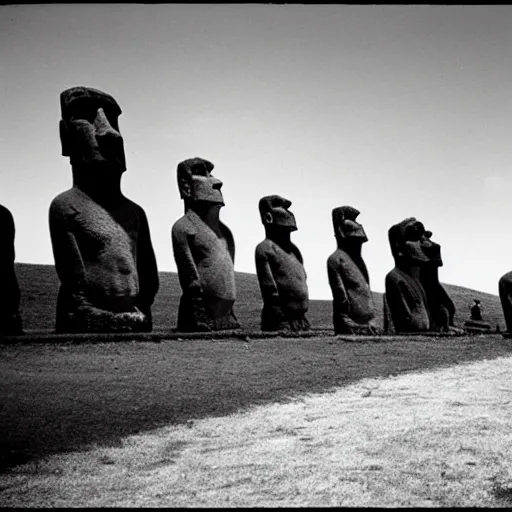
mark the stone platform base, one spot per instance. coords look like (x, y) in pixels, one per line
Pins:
(477, 327)
(36, 337)
(155, 336)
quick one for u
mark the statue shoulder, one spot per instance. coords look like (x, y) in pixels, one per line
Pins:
(5, 214)
(182, 227)
(63, 204)
(265, 247)
(394, 276)
(338, 257)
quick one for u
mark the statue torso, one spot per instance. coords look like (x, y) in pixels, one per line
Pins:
(402, 292)
(288, 273)
(360, 298)
(106, 242)
(211, 256)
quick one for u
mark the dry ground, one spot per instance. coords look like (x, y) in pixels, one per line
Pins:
(64, 397)
(436, 438)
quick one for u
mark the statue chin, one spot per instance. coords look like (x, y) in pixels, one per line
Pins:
(204, 192)
(286, 227)
(209, 201)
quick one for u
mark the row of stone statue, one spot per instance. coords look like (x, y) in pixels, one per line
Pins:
(107, 268)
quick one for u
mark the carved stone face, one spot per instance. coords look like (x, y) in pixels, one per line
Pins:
(196, 182)
(353, 229)
(89, 129)
(206, 187)
(346, 227)
(274, 211)
(412, 243)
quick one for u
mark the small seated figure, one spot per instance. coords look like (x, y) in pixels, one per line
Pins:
(101, 241)
(405, 297)
(204, 251)
(476, 311)
(280, 269)
(475, 323)
(10, 318)
(353, 306)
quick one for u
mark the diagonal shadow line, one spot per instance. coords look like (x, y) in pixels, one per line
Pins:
(68, 397)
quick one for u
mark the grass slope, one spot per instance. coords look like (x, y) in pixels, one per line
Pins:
(39, 286)
(59, 398)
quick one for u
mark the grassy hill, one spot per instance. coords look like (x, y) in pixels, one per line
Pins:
(39, 286)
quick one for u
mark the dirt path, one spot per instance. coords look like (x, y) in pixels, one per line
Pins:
(439, 438)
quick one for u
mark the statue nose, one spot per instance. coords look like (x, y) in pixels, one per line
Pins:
(103, 126)
(216, 183)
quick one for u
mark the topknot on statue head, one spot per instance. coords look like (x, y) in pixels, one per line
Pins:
(274, 211)
(348, 232)
(342, 213)
(396, 235)
(68, 96)
(89, 131)
(411, 242)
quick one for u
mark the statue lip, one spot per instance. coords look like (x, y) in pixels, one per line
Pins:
(210, 202)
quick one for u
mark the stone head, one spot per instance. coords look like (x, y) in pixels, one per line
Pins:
(89, 130)
(411, 244)
(196, 183)
(275, 213)
(346, 227)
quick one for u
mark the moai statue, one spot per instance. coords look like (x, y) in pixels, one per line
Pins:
(352, 307)
(10, 319)
(440, 305)
(204, 251)
(280, 269)
(405, 297)
(505, 291)
(101, 241)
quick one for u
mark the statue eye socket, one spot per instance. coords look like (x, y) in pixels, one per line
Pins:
(200, 170)
(82, 109)
(413, 233)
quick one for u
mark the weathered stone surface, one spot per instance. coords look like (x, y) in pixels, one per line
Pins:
(101, 240)
(414, 296)
(204, 251)
(505, 291)
(353, 307)
(441, 307)
(10, 318)
(280, 269)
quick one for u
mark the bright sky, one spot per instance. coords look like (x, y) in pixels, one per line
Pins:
(396, 110)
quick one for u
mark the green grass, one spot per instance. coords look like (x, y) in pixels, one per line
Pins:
(39, 286)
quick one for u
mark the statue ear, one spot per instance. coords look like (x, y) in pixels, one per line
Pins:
(184, 186)
(64, 138)
(268, 218)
